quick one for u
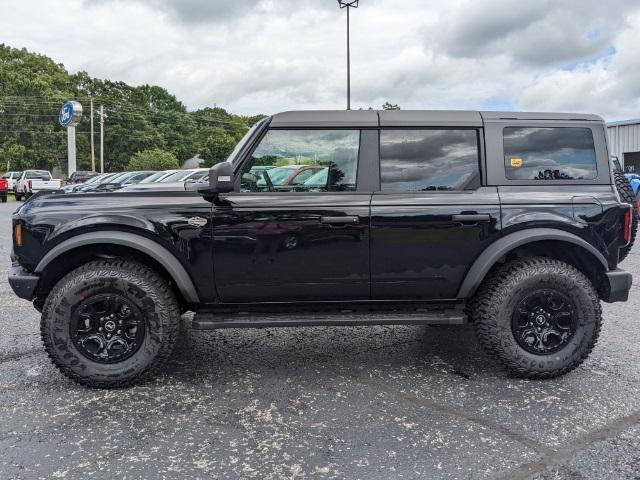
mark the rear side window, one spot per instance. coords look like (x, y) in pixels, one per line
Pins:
(427, 160)
(556, 153)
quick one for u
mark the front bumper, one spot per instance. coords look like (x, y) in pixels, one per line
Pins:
(617, 286)
(22, 282)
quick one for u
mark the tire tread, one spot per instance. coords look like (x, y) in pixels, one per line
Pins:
(125, 269)
(495, 289)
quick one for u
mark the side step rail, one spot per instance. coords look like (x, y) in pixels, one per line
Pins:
(212, 321)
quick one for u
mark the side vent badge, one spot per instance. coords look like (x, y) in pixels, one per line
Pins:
(197, 221)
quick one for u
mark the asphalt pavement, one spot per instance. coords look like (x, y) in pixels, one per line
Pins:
(322, 402)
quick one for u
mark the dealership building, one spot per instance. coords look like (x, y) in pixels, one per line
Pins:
(624, 142)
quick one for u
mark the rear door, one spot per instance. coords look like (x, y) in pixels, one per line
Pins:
(298, 226)
(432, 217)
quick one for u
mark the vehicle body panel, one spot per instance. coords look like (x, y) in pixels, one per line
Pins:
(418, 249)
(162, 217)
(275, 247)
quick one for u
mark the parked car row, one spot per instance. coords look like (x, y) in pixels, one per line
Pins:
(26, 183)
(139, 181)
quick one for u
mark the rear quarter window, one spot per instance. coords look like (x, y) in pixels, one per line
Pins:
(549, 153)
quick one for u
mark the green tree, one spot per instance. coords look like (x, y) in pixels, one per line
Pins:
(390, 106)
(33, 88)
(217, 146)
(154, 159)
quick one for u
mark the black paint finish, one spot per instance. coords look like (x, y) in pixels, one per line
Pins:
(291, 247)
(419, 249)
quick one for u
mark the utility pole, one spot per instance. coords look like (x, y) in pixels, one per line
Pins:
(348, 4)
(93, 152)
(101, 139)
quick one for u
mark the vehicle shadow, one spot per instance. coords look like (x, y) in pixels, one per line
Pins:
(448, 350)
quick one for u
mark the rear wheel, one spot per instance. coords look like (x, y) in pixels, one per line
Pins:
(626, 194)
(539, 317)
(4, 199)
(110, 323)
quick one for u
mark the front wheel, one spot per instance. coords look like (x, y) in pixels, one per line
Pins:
(4, 199)
(110, 323)
(539, 317)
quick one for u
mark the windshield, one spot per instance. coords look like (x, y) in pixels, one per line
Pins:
(157, 176)
(97, 178)
(232, 156)
(177, 177)
(277, 175)
(118, 177)
(318, 179)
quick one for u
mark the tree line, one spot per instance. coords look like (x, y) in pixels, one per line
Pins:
(145, 126)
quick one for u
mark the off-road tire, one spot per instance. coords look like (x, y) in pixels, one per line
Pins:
(492, 307)
(626, 194)
(147, 290)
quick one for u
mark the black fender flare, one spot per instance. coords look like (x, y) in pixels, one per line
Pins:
(137, 242)
(504, 245)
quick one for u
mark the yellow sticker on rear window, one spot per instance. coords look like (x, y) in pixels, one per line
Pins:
(516, 162)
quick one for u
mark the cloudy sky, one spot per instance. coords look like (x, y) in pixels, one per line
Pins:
(264, 56)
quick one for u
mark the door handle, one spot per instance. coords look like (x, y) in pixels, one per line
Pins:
(348, 220)
(471, 218)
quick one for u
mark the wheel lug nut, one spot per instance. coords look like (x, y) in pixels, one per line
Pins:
(119, 332)
(100, 329)
(108, 335)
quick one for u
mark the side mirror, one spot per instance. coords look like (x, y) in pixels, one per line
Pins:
(220, 179)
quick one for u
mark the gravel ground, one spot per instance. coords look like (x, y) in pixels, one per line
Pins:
(350, 402)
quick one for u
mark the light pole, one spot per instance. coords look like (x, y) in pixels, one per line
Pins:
(348, 4)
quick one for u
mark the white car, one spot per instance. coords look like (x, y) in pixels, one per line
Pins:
(12, 179)
(34, 181)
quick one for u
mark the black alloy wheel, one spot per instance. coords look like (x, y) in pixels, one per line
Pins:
(544, 322)
(107, 328)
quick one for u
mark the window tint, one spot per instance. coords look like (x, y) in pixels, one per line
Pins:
(285, 160)
(424, 160)
(556, 153)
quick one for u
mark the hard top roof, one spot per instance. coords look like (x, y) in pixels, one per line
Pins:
(399, 118)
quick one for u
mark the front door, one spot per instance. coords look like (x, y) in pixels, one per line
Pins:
(297, 229)
(432, 217)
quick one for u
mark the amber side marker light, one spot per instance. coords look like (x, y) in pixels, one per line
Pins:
(18, 234)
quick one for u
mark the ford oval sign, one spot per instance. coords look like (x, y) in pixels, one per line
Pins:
(70, 114)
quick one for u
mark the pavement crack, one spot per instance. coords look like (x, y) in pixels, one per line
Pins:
(469, 417)
(19, 356)
(560, 455)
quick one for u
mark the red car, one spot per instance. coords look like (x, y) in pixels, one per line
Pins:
(4, 188)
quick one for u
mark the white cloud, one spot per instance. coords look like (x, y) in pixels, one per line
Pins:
(267, 55)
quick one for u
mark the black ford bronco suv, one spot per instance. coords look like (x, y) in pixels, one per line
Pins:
(509, 221)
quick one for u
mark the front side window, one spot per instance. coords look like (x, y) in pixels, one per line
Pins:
(555, 153)
(428, 160)
(287, 160)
